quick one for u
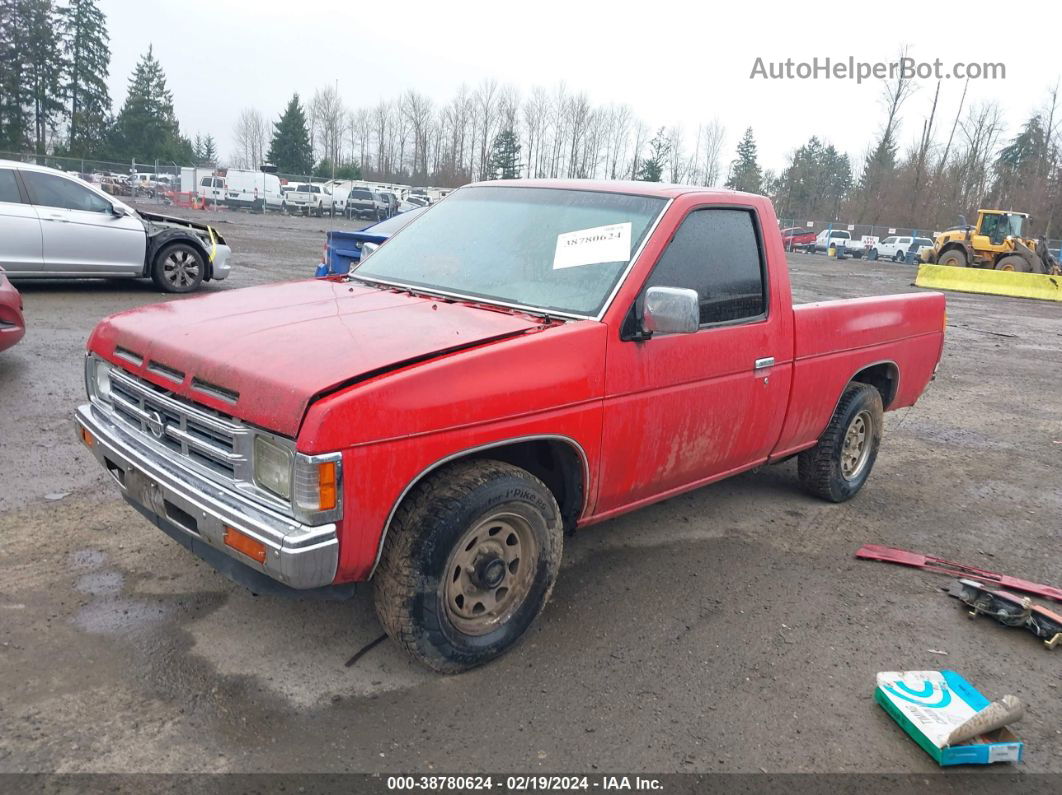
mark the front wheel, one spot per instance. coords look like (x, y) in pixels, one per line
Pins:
(954, 258)
(837, 467)
(179, 268)
(468, 564)
(1015, 263)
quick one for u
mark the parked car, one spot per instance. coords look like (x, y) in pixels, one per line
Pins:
(391, 200)
(344, 249)
(838, 237)
(55, 225)
(364, 203)
(526, 358)
(12, 324)
(797, 237)
(309, 199)
(896, 247)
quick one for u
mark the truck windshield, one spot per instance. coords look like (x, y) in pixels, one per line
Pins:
(545, 248)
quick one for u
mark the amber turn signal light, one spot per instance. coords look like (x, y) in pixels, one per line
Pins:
(244, 544)
(87, 437)
(326, 474)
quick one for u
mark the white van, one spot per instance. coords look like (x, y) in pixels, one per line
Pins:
(252, 190)
(211, 189)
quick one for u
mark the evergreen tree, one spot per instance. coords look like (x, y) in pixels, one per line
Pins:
(14, 96)
(505, 156)
(816, 181)
(652, 168)
(745, 173)
(210, 150)
(204, 150)
(290, 149)
(45, 69)
(88, 57)
(146, 128)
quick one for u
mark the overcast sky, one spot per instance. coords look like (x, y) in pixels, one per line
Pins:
(674, 63)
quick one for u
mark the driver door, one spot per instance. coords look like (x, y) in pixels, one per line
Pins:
(81, 234)
(685, 409)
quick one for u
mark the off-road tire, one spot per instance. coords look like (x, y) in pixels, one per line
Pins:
(954, 258)
(184, 253)
(409, 587)
(820, 468)
(1014, 262)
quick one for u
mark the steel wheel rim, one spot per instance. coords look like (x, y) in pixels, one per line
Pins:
(180, 268)
(855, 450)
(489, 574)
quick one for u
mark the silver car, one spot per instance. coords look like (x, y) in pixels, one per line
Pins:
(53, 224)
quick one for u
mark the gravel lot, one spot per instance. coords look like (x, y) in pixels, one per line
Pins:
(729, 629)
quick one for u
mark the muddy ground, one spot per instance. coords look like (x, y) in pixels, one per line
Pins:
(726, 630)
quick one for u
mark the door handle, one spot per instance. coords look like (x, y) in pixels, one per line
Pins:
(58, 218)
(764, 363)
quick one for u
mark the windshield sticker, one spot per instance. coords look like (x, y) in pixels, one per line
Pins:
(610, 243)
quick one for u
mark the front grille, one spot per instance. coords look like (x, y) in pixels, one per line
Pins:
(210, 440)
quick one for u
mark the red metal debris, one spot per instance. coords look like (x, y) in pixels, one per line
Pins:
(919, 561)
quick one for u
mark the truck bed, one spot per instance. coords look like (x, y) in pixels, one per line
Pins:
(834, 340)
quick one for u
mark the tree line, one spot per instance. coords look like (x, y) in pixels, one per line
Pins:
(54, 63)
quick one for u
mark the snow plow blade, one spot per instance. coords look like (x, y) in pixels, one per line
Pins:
(990, 282)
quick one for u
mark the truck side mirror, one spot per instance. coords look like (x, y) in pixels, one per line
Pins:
(671, 310)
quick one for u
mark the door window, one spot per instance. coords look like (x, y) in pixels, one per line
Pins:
(717, 253)
(49, 190)
(9, 187)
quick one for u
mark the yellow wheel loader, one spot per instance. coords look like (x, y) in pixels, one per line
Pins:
(991, 258)
(996, 242)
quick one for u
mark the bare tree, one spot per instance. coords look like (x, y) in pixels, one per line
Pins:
(251, 134)
(328, 117)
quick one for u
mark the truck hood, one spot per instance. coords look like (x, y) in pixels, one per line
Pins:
(263, 354)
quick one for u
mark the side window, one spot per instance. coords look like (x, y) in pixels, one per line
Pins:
(49, 190)
(717, 253)
(9, 187)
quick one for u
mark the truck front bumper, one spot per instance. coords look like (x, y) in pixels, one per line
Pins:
(196, 511)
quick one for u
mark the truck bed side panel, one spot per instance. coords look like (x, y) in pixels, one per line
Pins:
(837, 339)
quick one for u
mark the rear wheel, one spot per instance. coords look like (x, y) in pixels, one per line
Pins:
(468, 564)
(1015, 263)
(954, 258)
(837, 467)
(179, 268)
(897, 257)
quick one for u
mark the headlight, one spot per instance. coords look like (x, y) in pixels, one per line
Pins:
(98, 378)
(272, 467)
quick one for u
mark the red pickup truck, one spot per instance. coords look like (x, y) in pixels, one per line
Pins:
(525, 358)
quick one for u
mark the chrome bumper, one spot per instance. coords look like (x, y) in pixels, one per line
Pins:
(185, 503)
